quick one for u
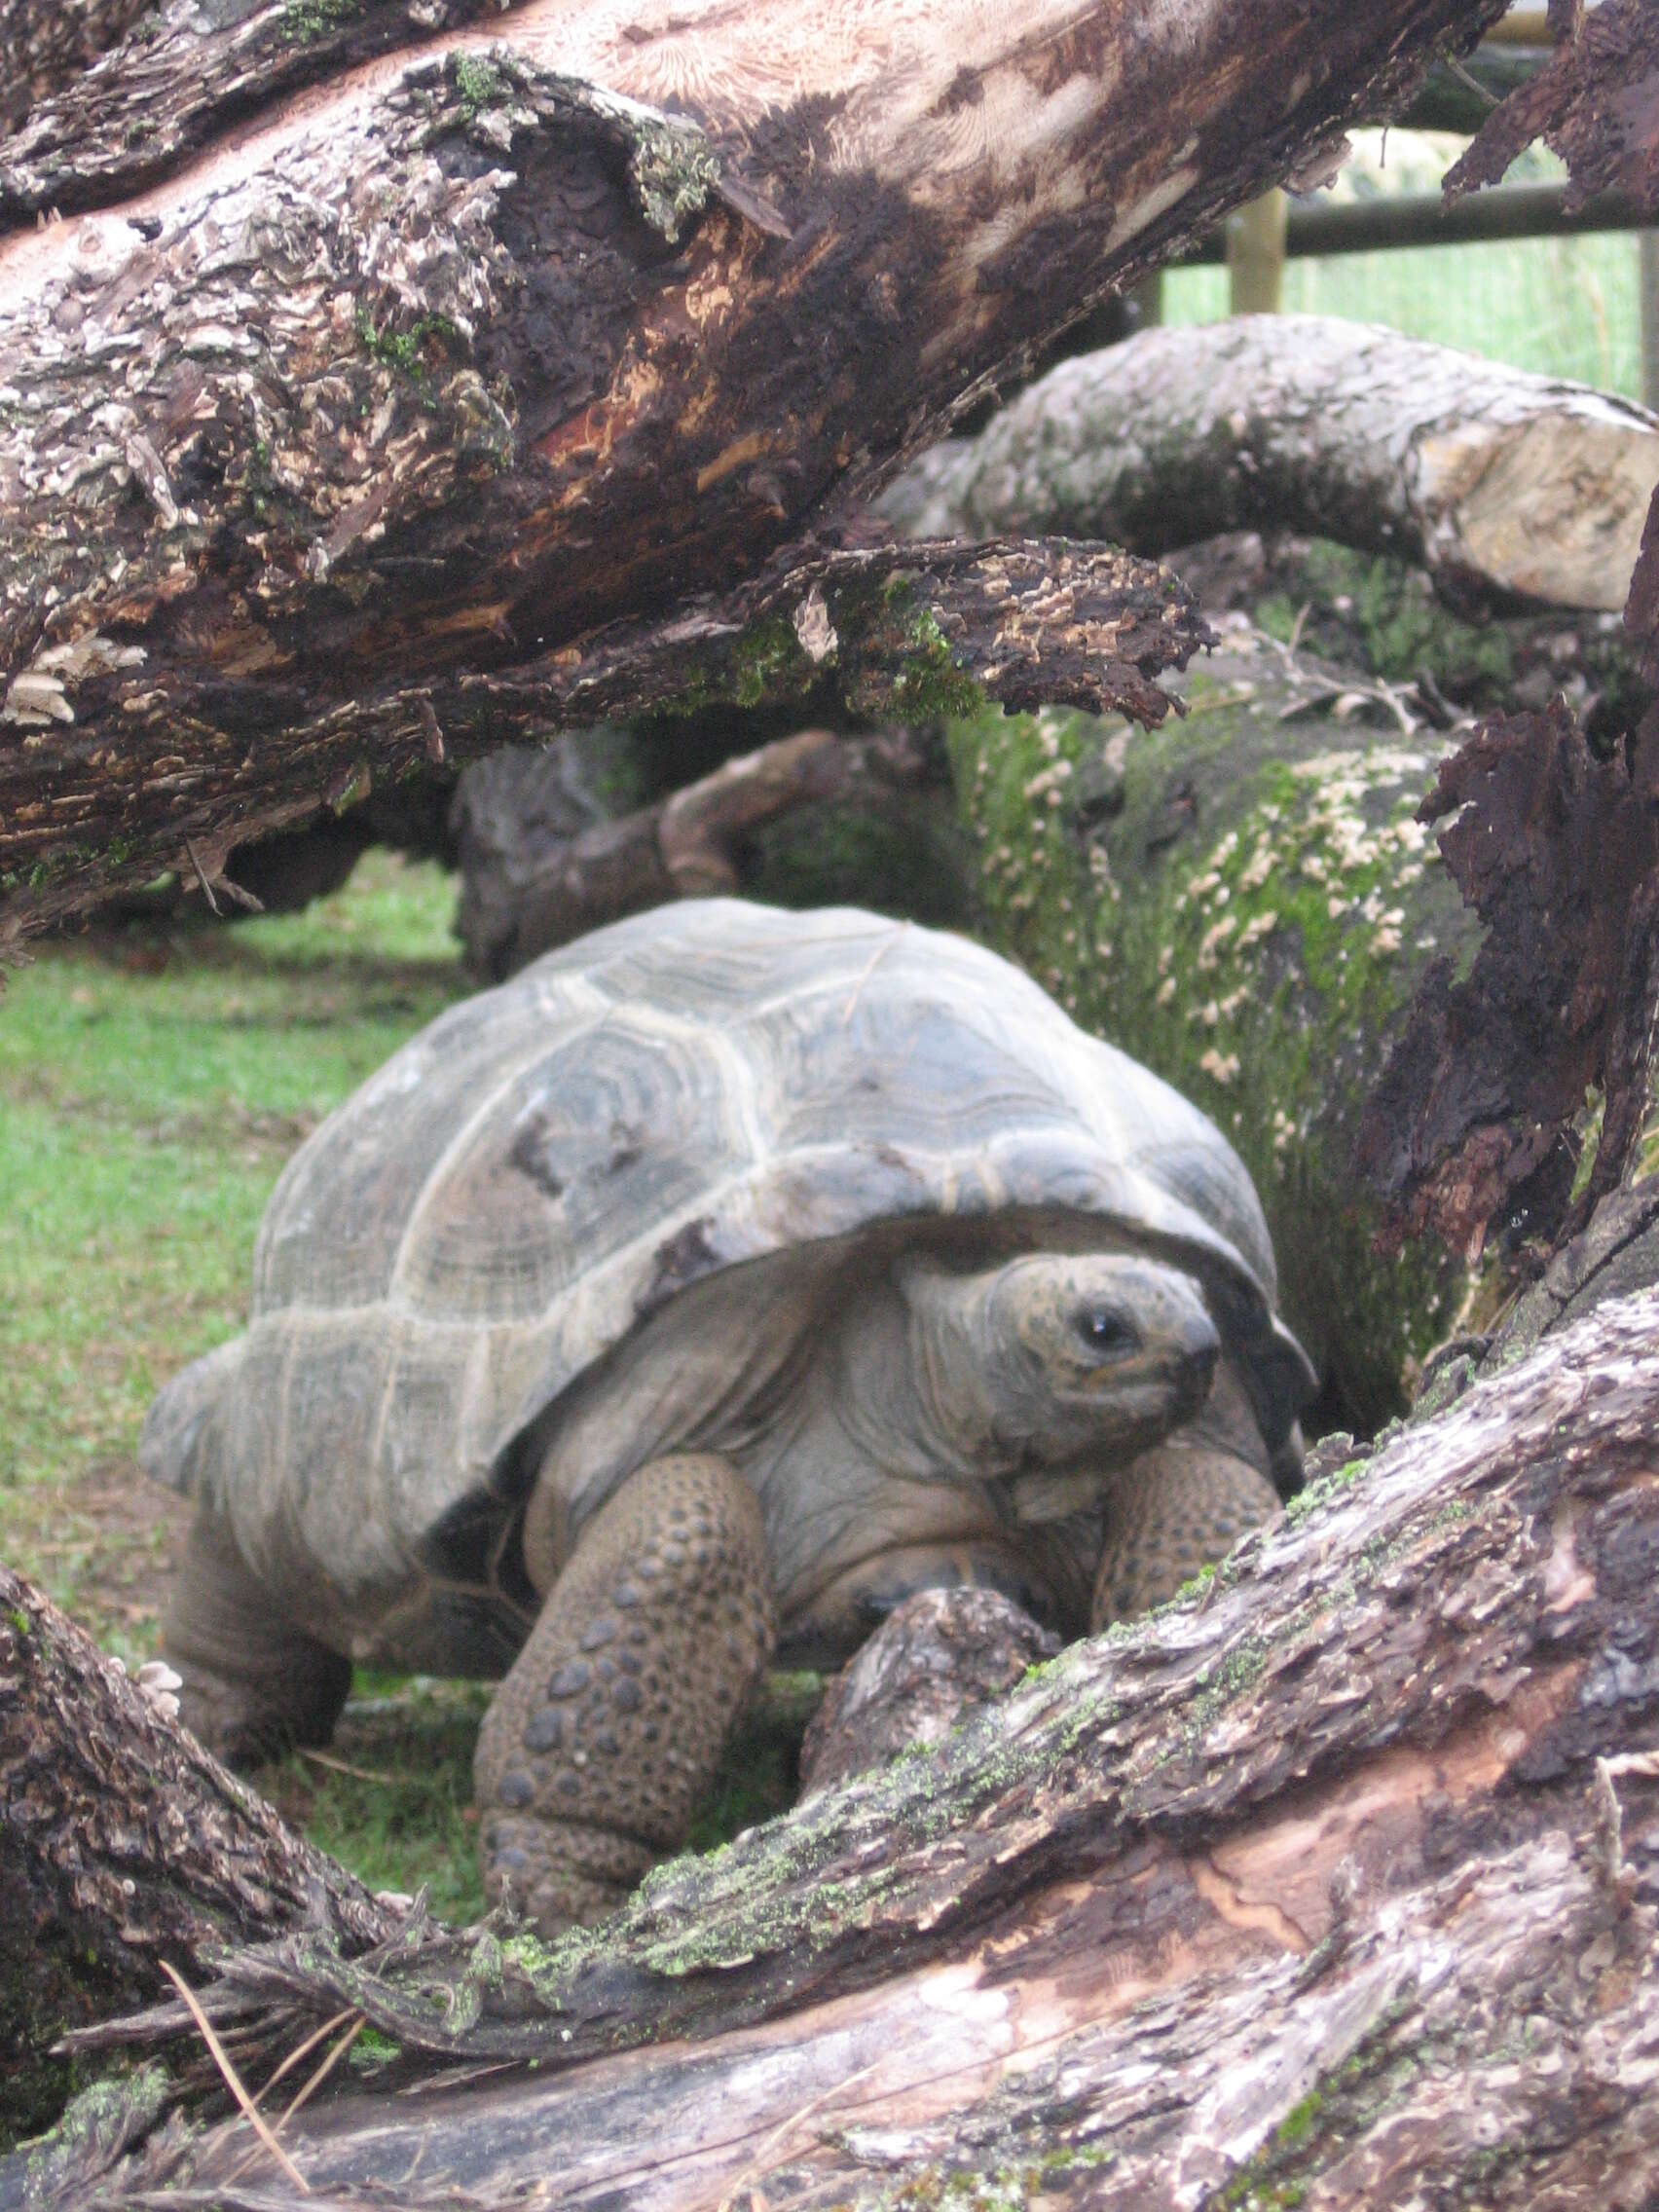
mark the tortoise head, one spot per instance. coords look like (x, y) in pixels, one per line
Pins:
(1061, 1357)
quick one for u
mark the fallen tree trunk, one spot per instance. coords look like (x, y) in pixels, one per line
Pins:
(121, 121)
(346, 445)
(1481, 473)
(124, 1844)
(1338, 1879)
(530, 881)
(45, 45)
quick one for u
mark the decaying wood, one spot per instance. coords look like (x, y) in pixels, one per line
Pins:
(530, 884)
(1481, 473)
(1559, 852)
(1596, 104)
(123, 1843)
(96, 135)
(46, 45)
(910, 630)
(1338, 1878)
(939, 1656)
(367, 425)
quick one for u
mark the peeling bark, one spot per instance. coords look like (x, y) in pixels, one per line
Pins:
(1596, 103)
(123, 1843)
(1486, 476)
(45, 45)
(1340, 1878)
(937, 1658)
(186, 77)
(1558, 853)
(412, 391)
(907, 632)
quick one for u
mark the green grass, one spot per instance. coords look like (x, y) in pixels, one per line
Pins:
(391, 1797)
(152, 1085)
(1562, 307)
(144, 1116)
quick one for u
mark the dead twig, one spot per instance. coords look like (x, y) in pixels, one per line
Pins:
(357, 1773)
(233, 2080)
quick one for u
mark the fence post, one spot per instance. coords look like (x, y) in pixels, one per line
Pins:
(1254, 255)
(1648, 264)
(1147, 299)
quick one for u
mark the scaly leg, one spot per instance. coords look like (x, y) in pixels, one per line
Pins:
(1175, 1510)
(611, 1725)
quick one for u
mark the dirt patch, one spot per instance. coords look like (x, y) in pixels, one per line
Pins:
(112, 1548)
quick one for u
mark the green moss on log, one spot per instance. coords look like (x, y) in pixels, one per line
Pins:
(1247, 905)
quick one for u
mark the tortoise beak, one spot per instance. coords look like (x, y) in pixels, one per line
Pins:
(1201, 1347)
(1199, 1354)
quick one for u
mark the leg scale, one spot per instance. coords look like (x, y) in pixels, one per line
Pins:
(608, 1730)
(1173, 1512)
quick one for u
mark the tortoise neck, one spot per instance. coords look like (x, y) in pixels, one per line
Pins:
(921, 1362)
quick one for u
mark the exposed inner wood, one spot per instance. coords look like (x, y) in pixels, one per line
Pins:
(452, 364)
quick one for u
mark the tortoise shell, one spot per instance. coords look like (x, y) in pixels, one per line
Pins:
(552, 1162)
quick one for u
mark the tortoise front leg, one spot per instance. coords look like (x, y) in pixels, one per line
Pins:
(1173, 1511)
(1183, 1505)
(608, 1730)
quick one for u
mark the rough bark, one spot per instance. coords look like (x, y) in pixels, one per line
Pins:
(1596, 104)
(126, 1844)
(912, 632)
(1334, 1883)
(344, 443)
(1559, 852)
(1484, 475)
(937, 1658)
(541, 863)
(45, 45)
(188, 76)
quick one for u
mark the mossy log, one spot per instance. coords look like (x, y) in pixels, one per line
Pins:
(1483, 475)
(363, 436)
(1248, 906)
(1334, 1881)
(122, 1844)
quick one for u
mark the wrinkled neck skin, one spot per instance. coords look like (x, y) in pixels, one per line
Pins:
(906, 1388)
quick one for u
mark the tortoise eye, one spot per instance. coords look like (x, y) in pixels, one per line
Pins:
(1104, 1331)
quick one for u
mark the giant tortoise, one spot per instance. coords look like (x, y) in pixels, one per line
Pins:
(714, 1283)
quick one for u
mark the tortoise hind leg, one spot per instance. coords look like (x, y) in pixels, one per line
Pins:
(602, 1739)
(253, 1685)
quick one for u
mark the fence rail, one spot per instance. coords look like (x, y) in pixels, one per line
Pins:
(1423, 218)
(1257, 241)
